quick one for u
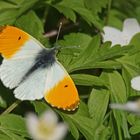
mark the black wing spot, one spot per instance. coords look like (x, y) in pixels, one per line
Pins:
(19, 38)
(66, 86)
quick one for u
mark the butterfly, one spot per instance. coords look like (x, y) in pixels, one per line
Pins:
(33, 70)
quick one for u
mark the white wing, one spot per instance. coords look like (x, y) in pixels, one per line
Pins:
(12, 70)
(39, 82)
(33, 87)
(54, 75)
(60, 90)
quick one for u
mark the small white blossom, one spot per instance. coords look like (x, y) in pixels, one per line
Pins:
(46, 127)
(131, 106)
(130, 28)
(135, 83)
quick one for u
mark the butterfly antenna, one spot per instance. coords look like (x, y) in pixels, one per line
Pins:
(56, 46)
(60, 26)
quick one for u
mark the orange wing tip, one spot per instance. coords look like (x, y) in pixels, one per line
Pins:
(12, 39)
(63, 95)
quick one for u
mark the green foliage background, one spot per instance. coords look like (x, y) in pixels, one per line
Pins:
(101, 74)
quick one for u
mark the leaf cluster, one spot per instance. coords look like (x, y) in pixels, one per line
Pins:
(102, 74)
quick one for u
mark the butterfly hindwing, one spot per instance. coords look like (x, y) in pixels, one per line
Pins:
(61, 91)
(33, 86)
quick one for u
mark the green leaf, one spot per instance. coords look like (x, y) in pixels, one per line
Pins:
(129, 70)
(40, 106)
(10, 15)
(87, 54)
(76, 39)
(4, 137)
(10, 135)
(79, 7)
(71, 50)
(116, 82)
(116, 131)
(6, 95)
(135, 129)
(98, 103)
(135, 122)
(83, 124)
(96, 6)
(13, 125)
(114, 20)
(34, 28)
(107, 52)
(73, 129)
(87, 80)
(69, 13)
(81, 121)
(25, 6)
(109, 64)
(128, 73)
(3, 103)
(95, 56)
(92, 47)
(15, 2)
(80, 43)
(135, 40)
(132, 119)
(5, 5)
(103, 133)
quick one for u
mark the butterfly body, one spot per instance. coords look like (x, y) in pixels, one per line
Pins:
(44, 59)
(33, 71)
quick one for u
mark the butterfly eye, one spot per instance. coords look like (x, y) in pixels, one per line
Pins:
(19, 38)
(66, 86)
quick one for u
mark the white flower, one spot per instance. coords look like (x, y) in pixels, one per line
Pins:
(131, 106)
(130, 28)
(135, 83)
(46, 127)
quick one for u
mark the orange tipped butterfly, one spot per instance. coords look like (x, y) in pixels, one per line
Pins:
(33, 70)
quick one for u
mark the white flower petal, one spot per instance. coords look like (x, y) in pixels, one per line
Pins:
(130, 28)
(112, 34)
(32, 124)
(46, 127)
(59, 132)
(49, 118)
(129, 106)
(135, 83)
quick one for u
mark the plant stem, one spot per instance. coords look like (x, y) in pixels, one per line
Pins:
(11, 107)
(108, 12)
